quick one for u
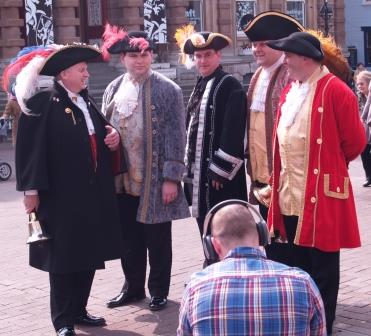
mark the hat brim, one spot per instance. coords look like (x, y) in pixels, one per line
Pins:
(214, 41)
(297, 46)
(271, 25)
(66, 57)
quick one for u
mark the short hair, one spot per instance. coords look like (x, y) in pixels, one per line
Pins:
(233, 222)
(365, 75)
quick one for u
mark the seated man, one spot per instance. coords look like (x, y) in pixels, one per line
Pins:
(245, 293)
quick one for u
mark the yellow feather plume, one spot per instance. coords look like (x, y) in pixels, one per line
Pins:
(334, 59)
(181, 35)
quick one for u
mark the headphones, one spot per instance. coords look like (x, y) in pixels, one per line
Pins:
(261, 227)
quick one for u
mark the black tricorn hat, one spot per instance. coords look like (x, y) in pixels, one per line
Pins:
(67, 56)
(270, 25)
(205, 40)
(300, 43)
(135, 41)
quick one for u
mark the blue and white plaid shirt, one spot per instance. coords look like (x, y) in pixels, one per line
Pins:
(247, 294)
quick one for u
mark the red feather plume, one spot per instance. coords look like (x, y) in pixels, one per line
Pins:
(13, 69)
(139, 42)
(111, 35)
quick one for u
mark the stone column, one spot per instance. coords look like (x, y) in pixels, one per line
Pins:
(66, 21)
(175, 13)
(11, 26)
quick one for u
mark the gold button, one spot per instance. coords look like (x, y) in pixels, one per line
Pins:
(315, 171)
(319, 141)
(320, 109)
(154, 132)
(313, 199)
(338, 189)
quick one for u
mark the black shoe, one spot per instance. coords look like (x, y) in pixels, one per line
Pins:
(125, 298)
(90, 320)
(367, 183)
(157, 302)
(66, 331)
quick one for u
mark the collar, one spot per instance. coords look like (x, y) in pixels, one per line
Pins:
(246, 252)
(70, 93)
(275, 65)
(207, 78)
(139, 80)
(317, 74)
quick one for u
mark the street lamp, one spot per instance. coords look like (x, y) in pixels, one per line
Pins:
(326, 13)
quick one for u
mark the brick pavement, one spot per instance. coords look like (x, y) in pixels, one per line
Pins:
(24, 291)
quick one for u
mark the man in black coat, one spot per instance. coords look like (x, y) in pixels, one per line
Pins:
(66, 155)
(216, 119)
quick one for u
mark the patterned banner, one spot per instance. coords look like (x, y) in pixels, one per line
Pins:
(39, 22)
(155, 20)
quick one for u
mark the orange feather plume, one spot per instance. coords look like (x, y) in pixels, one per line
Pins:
(334, 59)
(181, 36)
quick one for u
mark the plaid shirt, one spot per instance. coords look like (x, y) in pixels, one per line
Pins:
(247, 294)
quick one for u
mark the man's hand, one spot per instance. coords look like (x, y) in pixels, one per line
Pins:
(31, 203)
(112, 138)
(217, 185)
(169, 192)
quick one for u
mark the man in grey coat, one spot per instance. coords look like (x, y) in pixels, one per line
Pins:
(147, 109)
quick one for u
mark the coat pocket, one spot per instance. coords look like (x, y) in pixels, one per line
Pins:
(336, 186)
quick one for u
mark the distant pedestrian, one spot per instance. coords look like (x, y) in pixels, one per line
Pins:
(11, 114)
(363, 82)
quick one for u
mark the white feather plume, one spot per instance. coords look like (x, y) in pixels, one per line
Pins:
(189, 62)
(28, 82)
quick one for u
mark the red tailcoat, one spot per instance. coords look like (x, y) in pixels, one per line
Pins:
(327, 218)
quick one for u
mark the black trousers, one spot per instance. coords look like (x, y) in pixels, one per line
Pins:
(69, 294)
(138, 239)
(366, 161)
(323, 267)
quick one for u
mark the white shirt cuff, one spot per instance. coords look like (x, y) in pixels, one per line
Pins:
(31, 192)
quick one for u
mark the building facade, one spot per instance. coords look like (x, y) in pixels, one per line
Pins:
(358, 31)
(30, 22)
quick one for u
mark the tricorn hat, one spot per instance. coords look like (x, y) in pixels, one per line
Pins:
(67, 56)
(135, 41)
(117, 40)
(300, 43)
(205, 40)
(270, 25)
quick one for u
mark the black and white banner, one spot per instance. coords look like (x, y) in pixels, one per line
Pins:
(155, 20)
(39, 22)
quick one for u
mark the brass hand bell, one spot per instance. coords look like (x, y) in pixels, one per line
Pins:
(263, 195)
(36, 234)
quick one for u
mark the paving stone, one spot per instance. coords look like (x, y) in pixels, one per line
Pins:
(24, 292)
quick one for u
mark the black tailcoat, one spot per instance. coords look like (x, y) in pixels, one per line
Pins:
(77, 204)
(220, 144)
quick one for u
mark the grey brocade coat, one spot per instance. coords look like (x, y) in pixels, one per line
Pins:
(164, 144)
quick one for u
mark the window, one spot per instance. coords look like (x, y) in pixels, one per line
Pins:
(367, 45)
(296, 9)
(194, 13)
(244, 7)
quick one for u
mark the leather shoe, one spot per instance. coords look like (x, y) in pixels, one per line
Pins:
(90, 320)
(367, 183)
(66, 331)
(157, 303)
(125, 298)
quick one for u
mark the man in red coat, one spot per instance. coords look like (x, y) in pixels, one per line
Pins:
(317, 133)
